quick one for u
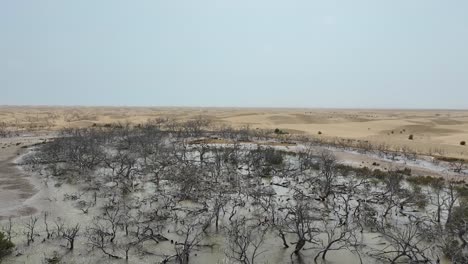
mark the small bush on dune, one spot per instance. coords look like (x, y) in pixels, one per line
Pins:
(410, 137)
(280, 132)
(463, 143)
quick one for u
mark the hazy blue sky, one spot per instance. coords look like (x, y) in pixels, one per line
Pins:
(304, 53)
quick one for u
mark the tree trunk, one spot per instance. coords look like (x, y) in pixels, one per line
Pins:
(284, 239)
(300, 244)
(217, 211)
(462, 239)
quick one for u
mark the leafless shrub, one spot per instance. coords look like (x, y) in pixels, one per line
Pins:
(30, 228)
(244, 241)
(70, 234)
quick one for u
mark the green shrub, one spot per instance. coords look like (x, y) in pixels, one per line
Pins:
(462, 191)
(273, 157)
(5, 245)
(411, 137)
(280, 132)
(463, 143)
(423, 180)
(380, 175)
(405, 171)
(449, 159)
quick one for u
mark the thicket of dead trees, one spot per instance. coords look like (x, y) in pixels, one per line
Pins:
(169, 183)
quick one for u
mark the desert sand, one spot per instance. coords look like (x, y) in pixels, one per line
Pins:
(435, 131)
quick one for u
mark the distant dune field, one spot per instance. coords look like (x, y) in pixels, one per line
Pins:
(438, 131)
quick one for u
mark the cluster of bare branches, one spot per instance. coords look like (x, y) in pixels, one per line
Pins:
(181, 183)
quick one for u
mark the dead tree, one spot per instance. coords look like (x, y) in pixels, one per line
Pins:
(458, 225)
(118, 231)
(196, 127)
(111, 217)
(46, 224)
(4, 130)
(337, 234)
(458, 166)
(102, 233)
(341, 220)
(307, 158)
(83, 149)
(453, 240)
(244, 241)
(335, 240)
(453, 197)
(98, 238)
(59, 226)
(328, 174)
(30, 228)
(219, 201)
(158, 162)
(300, 221)
(188, 179)
(202, 149)
(438, 199)
(408, 153)
(191, 237)
(125, 169)
(70, 234)
(390, 197)
(405, 244)
(269, 206)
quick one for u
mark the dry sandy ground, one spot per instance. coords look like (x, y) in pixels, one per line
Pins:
(436, 131)
(16, 187)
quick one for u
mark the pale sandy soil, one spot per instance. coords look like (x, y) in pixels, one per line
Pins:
(15, 187)
(435, 131)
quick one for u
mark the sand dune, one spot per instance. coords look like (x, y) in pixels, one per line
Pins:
(432, 129)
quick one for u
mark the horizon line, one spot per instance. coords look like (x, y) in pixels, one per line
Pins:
(229, 107)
